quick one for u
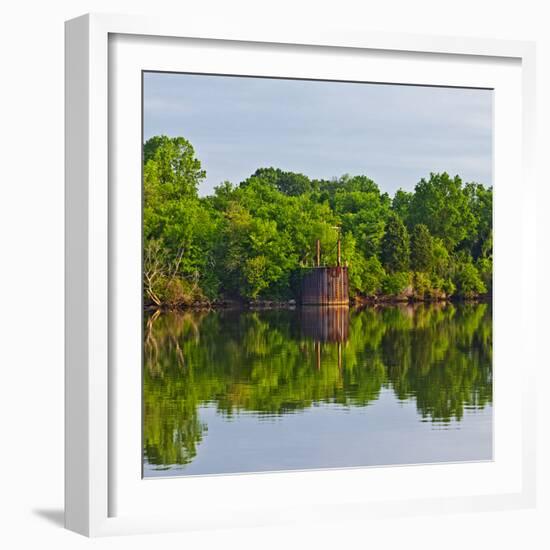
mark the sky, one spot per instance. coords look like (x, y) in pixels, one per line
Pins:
(393, 134)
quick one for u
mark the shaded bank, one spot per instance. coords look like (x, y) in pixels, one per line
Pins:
(357, 302)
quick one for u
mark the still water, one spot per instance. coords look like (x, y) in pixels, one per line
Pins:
(249, 391)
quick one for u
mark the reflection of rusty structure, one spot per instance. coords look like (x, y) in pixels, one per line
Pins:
(325, 324)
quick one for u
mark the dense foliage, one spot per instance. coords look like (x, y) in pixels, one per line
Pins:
(253, 240)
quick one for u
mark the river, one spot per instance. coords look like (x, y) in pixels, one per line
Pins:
(232, 391)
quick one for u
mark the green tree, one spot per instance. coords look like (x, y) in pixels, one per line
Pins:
(366, 276)
(467, 280)
(363, 214)
(394, 284)
(422, 254)
(395, 245)
(480, 244)
(288, 183)
(485, 269)
(327, 189)
(444, 206)
(170, 163)
(401, 204)
(182, 225)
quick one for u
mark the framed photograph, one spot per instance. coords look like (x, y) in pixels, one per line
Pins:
(297, 276)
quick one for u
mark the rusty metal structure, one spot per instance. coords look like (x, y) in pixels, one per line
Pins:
(325, 286)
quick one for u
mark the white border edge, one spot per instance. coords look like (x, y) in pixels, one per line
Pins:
(86, 277)
(529, 258)
(76, 276)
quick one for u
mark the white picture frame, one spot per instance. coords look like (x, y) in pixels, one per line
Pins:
(103, 496)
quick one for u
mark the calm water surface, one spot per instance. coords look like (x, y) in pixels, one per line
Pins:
(243, 391)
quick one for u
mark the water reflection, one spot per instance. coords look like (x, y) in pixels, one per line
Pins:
(275, 363)
(324, 323)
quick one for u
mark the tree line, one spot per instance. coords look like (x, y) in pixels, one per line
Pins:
(254, 240)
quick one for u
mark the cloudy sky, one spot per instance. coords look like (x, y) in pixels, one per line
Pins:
(393, 134)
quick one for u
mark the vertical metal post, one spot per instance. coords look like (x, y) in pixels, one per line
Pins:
(318, 252)
(317, 346)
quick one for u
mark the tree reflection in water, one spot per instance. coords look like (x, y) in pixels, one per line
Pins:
(277, 362)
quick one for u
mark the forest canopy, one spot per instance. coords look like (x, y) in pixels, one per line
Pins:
(253, 240)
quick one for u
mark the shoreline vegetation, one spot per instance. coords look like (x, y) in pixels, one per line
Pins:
(248, 245)
(358, 302)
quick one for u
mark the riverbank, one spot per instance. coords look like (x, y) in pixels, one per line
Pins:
(356, 301)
